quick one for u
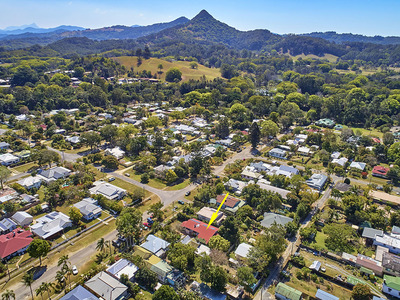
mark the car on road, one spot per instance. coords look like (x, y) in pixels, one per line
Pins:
(380, 188)
(111, 179)
(181, 202)
(127, 175)
(74, 270)
(187, 193)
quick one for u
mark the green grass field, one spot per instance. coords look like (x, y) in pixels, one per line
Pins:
(152, 65)
(329, 57)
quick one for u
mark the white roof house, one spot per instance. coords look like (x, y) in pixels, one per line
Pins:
(30, 182)
(73, 139)
(304, 150)
(335, 155)
(88, 208)
(316, 265)
(123, 266)
(8, 159)
(340, 161)
(22, 218)
(54, 173)
(116, 152)
(243, 250)
(358, 165)
(236, 185)
(250, 173)
(108, 190)
(317, 181)
(263, 184)
(206, 213)
(51, 224)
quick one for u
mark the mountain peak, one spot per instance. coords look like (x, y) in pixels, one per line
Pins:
(203, 15)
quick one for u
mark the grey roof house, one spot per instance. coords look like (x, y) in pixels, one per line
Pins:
(51, 225)
(79, 293)
(155, 245)
(108, 190)
(107, 287)
(7, 225)
(22, 218)
(272, 218)
(317, 181)
(88, 208)
(54, 174)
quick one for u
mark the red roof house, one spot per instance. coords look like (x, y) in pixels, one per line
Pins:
(380, 171)
(199, 229)
(14, 243)
(376, 140)
(229, 202)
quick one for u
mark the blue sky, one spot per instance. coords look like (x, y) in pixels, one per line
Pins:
(370, 17)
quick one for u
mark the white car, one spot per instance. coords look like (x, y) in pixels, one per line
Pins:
(74, 270)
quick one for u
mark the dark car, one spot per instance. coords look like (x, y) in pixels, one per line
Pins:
(187, 193)
(181, 202)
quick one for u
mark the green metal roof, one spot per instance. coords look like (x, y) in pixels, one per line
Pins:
(392, 282)
(366, 271)
(354, 280)
(288, 292)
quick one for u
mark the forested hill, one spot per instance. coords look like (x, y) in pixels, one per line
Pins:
(106, 33)
(204, 28)
(340, 38)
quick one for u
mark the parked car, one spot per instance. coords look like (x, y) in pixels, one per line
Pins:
(111, 179)
(150, 220)
(187, 193)
(74, 270)
(323, 269)
(146, 224)
(127, 175)
(181, 202)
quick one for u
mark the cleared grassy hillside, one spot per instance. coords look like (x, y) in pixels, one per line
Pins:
(152, 65)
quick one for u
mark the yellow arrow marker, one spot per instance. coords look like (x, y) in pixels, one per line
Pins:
(215, 215)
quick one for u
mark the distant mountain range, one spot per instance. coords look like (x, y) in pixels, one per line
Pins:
(203, 29)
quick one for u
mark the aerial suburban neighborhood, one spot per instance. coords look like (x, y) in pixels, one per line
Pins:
(190, 160)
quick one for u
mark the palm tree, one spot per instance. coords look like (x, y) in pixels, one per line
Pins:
(40, 291)
(8, 295)
(47, 286)
(110, 246)
(60, 277)
(27, 279)
(63, 260)
(101, 245)
(67, 271)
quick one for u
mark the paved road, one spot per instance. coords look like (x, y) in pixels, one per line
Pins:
(65, 156)
(78, 259)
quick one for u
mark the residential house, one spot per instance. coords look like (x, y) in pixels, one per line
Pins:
(73, 139)
(88, 208)
(335, 155)
(225, 142)
(206, 213)
(206, 292)
(242, 251)
(325, 123)
(272, 218)
(317, 181)
(51, 225)
(108, 190)
(285, 292)
(260, 166)
(340, 161)
(391, 264)
(24, 154)
(4, 146)
(391, 286)
(315, 266)
(278, 153)
(8, 159)
(161, 170)
(31, 182)
(286, 171)
(123, 266)
(379, 171)
(14, 243)
(379, 252)
(387, 241)
(322, 295)
(27, 199)
(79, 293)
(155, 245)
(117, 152)
(22, 218)
(263, 184)
(8, 194)
(368, 265)
(7, 225)
(54, 174)
(305, 151)
(203, 249)
(236, 186)
(358, 165)
(107, 287)
(199, 229)
(231, 203)
(250, 174)
(370, 233)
